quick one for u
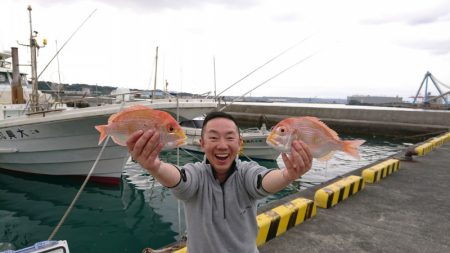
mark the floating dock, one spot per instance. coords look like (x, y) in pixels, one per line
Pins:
(402, 206)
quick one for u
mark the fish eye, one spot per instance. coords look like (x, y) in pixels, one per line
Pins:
(282, 130)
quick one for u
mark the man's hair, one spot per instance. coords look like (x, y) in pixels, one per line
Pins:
(215, 115)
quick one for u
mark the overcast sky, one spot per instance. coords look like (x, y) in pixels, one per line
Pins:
(380, 47)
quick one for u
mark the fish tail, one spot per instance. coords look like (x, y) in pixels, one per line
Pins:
(351, 147)
(102, 129)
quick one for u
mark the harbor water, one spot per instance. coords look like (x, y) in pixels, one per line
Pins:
(138, 213)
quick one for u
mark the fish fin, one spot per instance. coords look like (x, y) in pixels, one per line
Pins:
(102, 129)
(318, 122)
(120, 140)
(326, 157)
(351, 147)
(126, 110)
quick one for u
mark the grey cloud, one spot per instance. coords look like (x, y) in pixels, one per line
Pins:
(438, 13)
(441, 47)
(156, 5)
(288, 18)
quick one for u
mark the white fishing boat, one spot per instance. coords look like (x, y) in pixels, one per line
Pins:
(57, 141)
(44, 247)
(254, 140)
(66, 142)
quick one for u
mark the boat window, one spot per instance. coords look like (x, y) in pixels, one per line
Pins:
(3, 78)
(23, 80)
(198, 123)
(187, 124)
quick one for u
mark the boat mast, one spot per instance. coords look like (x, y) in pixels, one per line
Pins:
(34, 83)
(156, 71)
(214, 66)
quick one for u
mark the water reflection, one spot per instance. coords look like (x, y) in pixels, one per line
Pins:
(116, 219)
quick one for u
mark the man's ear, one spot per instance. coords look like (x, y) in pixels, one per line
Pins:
(202, 143)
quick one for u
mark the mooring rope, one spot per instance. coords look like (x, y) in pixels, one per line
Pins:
(69, 209)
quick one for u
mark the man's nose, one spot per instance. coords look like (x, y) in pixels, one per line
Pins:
(222, 143)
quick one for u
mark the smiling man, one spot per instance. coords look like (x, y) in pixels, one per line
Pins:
(220, 193)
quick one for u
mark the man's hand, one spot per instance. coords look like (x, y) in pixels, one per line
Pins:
(298, 162)
(144, 148)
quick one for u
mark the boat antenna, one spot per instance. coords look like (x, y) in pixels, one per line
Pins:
(79, 27)
(272, 59)
(266, 81)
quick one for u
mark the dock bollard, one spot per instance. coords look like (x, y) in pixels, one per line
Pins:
(381, 170)
(338, 191)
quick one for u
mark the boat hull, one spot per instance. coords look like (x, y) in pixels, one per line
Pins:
(66, 143)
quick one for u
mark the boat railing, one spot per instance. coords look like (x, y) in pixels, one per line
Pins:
(251, 130)
(43, 112)
(261, 130)
(5, 64)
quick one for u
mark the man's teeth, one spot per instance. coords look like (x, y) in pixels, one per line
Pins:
(222, 156)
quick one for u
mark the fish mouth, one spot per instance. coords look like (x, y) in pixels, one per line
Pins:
(271, 140)
(183, 138)
(181, 142)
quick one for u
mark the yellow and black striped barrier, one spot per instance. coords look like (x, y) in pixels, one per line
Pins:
(338, 191)
(424, 149)
(278, 220)
(431, 144)
(381, 170)
(440, 140)
(182, 250)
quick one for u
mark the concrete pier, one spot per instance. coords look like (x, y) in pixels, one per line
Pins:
(408, 211)
(372, 120)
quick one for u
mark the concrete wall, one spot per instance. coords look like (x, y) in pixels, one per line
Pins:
(374, 120)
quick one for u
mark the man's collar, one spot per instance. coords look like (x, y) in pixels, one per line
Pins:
(230, 171)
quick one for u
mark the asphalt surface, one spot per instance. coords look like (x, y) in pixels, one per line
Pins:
(408, 211)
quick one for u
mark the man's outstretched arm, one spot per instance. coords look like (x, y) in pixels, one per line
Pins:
(297, 164)
(144, 148)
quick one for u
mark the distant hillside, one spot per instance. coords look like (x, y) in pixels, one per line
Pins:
(288, 100)
(106, 90)
(98, 90)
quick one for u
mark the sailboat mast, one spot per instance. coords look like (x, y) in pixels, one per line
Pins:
(214, 65)
(34, 83)
(156, 73)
